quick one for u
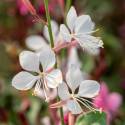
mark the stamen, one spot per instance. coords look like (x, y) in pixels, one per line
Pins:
(45, 93)
(86, 100)
(37, 88)
(87, 103)
(45, 83)
(87, 106)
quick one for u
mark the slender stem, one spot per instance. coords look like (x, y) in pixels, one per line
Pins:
(68, 4)
(49, 23)
(61, 113)
(52, 45)
(71, 119)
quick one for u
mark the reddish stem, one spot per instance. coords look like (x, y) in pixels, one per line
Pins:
(71, 119)
(64, 45)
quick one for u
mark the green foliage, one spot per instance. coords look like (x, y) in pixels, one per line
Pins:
(92, 119)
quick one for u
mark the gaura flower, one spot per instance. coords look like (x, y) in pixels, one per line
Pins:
(36, 42)
(80, 28)
(73, 98)
(109, 102)
(22, 8)
(45, 76)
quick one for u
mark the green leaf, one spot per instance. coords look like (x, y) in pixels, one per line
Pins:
(92, 119)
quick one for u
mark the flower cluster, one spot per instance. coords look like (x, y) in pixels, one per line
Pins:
(39, 64)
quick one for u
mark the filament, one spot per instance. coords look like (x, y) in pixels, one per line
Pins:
(37, 87)
(44, 90)
(87, 106)
(87, 103)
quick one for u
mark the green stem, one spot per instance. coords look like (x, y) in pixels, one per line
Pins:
(49, 23)
(52, 45)
(61, 113)
(68, 4)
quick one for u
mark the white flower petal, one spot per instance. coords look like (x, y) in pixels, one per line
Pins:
(65, 33)
(71, 17)
(63, 91)
(91, 44)
(74, 77)
(54, 78)
(89, 89)
(55, 29)
(35, 42)
(24, 80)
(84, 24)
(29, 61)
(74, 107)
(47, 58)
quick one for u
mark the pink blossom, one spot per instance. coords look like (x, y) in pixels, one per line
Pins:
(22, 8)
(109, 102)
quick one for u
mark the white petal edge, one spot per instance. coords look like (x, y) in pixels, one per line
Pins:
(71, 17)
(89, 89)
(74, 107)
(24, 81)
(63, 91)
(54, 78)
(29, 61)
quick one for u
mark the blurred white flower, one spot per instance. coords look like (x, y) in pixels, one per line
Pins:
(73, 58)
(87, 89)
(37, 43)
(46, 120)
(80, 29)
(45, 76)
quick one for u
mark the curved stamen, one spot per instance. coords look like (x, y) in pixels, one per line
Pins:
(45, 93)
(37, 88)
(87, 103)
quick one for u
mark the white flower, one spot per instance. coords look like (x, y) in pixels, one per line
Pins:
(36, 42)
(45, 76)
(86, 89)
(80, 29)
